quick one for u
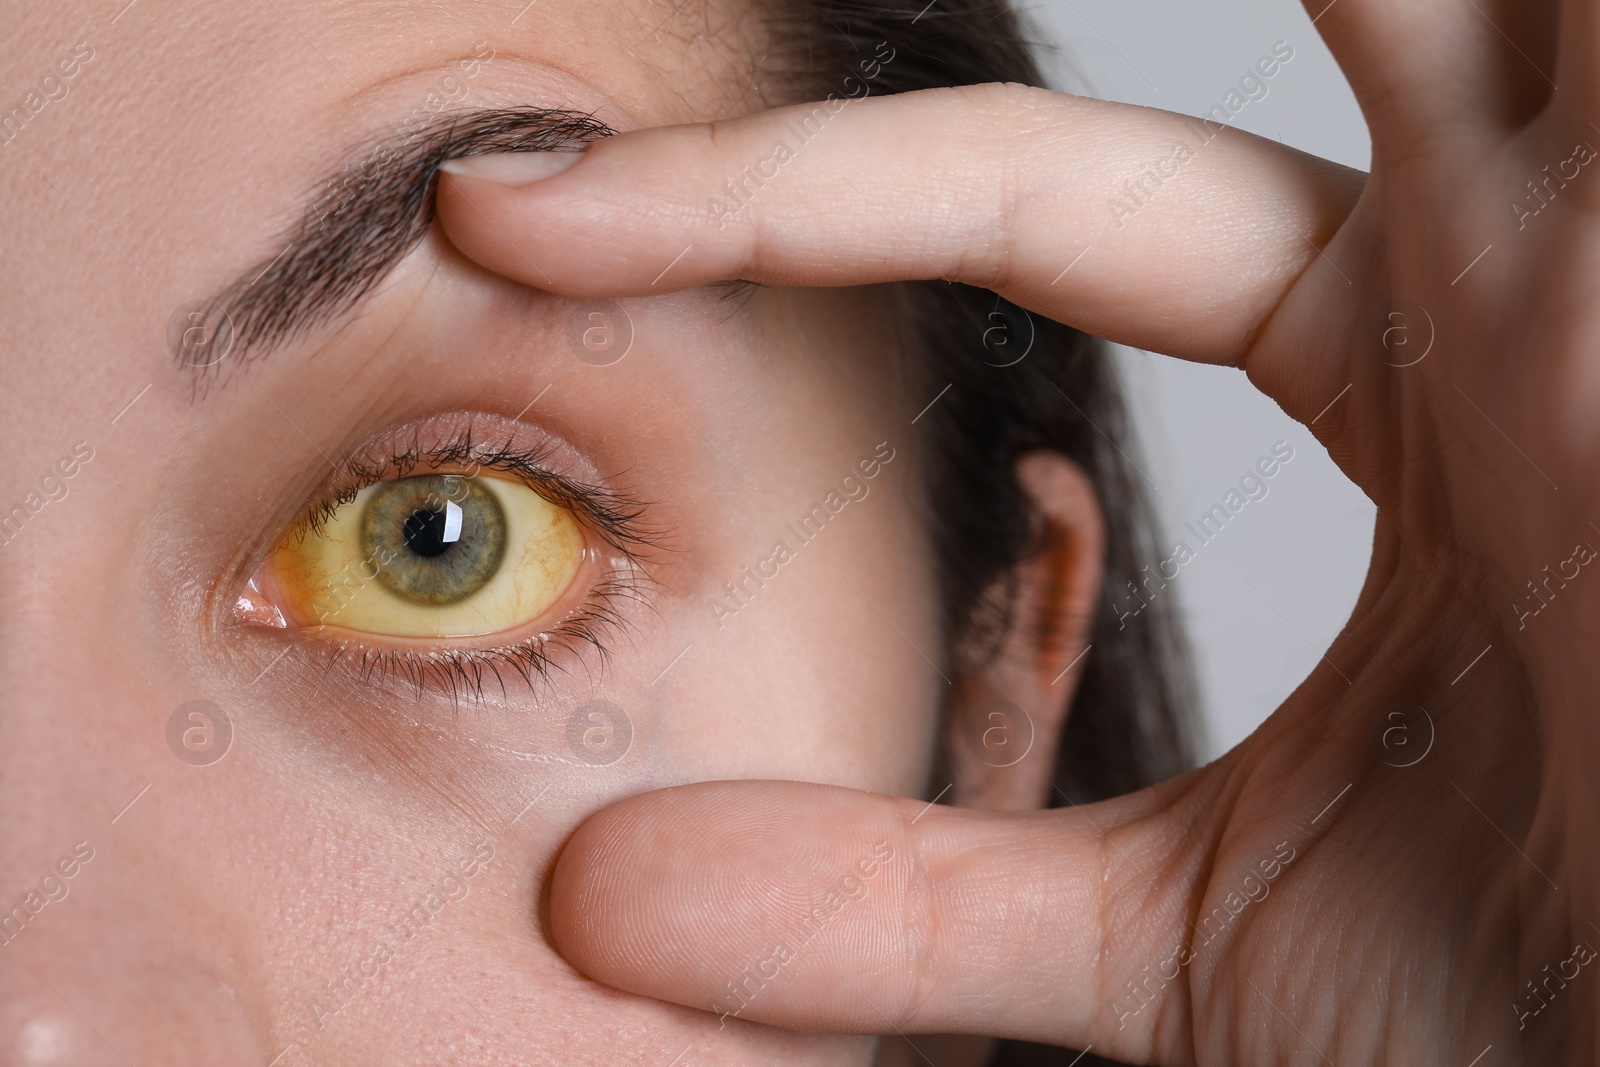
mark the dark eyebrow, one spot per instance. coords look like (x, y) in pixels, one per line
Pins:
(362, 221)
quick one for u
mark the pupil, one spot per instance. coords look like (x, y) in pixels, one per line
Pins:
(424, 532)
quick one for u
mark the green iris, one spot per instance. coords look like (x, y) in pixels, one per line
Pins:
(434, 539)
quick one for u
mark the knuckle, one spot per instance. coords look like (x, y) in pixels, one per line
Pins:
(919, 934)
(1008, 130)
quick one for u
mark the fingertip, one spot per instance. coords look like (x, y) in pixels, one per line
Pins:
(643, 898)
(512, 170)
(743, 898)
(610, 231)
(594, 876)
(467, 206)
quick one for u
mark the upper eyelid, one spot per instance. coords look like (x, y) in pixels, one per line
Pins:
(621, 520)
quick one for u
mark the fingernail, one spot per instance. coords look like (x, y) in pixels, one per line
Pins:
(512, 168)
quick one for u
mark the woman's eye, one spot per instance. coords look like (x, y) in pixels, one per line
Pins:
(430, 556)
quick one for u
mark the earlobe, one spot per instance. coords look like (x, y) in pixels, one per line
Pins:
(1007, 712)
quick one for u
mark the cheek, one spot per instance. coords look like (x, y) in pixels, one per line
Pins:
(819, 690)
(825, 670)
(820, 673)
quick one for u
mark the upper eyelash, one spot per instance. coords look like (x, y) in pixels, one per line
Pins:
(617, 519)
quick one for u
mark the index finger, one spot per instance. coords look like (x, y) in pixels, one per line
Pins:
(1138, 225)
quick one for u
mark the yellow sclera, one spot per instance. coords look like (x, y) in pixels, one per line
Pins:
(329, 579)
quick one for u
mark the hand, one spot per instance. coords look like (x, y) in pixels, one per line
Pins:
(1319, 894)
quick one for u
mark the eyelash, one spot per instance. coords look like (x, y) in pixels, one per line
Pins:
(619, 521)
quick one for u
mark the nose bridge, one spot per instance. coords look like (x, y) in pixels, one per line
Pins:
(97, 961)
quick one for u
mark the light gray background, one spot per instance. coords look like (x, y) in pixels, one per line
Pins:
(1304, 548)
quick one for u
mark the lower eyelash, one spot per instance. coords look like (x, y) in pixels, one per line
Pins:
(465, 672)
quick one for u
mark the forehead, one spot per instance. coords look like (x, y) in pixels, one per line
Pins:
(189, 135)
(655, 61)
(187, 131)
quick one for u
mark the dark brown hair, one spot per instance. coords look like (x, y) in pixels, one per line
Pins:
(1128, 727)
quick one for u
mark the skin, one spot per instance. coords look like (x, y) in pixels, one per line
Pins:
(221, 900)
(1377, 903)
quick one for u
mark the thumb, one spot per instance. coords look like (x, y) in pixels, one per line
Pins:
(827, 909)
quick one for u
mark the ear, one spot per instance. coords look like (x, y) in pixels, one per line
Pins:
(1007, 712)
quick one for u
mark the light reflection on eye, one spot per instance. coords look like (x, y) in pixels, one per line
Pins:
(430, 556)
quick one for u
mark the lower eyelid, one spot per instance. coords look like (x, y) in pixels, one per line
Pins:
(476, 672)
